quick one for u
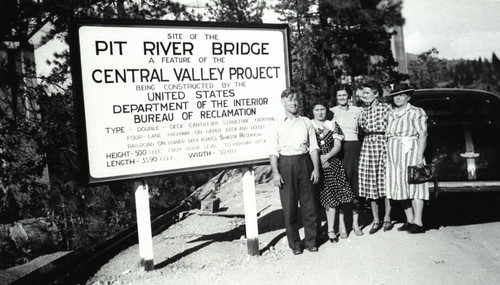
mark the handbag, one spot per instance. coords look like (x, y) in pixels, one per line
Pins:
(421, 173)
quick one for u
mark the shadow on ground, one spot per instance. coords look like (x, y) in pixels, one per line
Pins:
(450, 209)
(267, 223)
(457, 209)
(228, 236)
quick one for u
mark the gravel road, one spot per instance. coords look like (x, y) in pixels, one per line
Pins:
(206, 249)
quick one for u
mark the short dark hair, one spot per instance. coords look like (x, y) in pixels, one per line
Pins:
(374, 86)
(289, 91)
(345, 87)
(322, 102)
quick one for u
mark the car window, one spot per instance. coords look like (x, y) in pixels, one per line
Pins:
(472, 107)
(435, 106)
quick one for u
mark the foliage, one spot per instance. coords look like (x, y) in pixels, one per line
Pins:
(21, 157)
(426, 70)
(336, 41)
(37, 124)
(236, 11)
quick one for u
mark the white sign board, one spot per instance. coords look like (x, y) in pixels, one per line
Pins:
(165, 97)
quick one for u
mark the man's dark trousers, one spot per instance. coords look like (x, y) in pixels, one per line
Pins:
(296, 173)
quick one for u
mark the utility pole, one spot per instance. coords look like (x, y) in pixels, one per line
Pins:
(398, 49)
(398, 44)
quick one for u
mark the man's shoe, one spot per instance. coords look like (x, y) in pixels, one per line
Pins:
(416, 229)
(388, 226)
(375, 228)
(404, 227)
(297, 251)
(312, 248)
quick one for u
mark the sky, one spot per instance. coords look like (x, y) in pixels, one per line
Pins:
(466, 29)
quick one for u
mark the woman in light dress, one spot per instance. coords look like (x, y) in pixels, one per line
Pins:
(406, 142)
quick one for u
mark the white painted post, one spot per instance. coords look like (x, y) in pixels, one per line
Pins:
(252, 229)
(144, 225)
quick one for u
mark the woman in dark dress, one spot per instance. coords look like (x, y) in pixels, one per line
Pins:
(333, 189)
(347, 116)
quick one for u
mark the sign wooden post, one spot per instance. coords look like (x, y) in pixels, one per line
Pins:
(144, 225)
(251, 226)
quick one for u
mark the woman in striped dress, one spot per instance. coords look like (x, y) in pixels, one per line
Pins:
(406, 142)
(372, 159)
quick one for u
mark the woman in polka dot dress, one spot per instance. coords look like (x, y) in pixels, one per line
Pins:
(333, 189)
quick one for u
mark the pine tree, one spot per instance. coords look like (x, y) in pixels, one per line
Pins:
(47, 135)
(236, 11)
(495, 62)
(427, 70)
(335, 40)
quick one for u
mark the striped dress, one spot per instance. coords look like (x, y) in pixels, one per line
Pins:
(373, 156)
(402, 151)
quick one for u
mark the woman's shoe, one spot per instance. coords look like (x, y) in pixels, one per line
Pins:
(375, 228)
(388, 226)
(343, 235)
(358, 231)
(416, 229)
(334, 239)
(404, 227)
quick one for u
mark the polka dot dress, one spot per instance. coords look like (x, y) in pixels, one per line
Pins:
(333, 188)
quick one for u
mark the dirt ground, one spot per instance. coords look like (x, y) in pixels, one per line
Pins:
(205, 249)
(461, 246)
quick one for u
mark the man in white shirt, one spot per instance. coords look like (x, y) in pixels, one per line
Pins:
(295, 164)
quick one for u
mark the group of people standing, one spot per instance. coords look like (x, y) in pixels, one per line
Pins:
(361, 155)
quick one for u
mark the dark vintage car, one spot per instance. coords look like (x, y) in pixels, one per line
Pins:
(463, 138)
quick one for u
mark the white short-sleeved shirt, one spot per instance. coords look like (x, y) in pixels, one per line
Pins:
(348, 121)
(293, 136)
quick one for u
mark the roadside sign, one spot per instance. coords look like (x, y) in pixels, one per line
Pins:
(160, 97)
